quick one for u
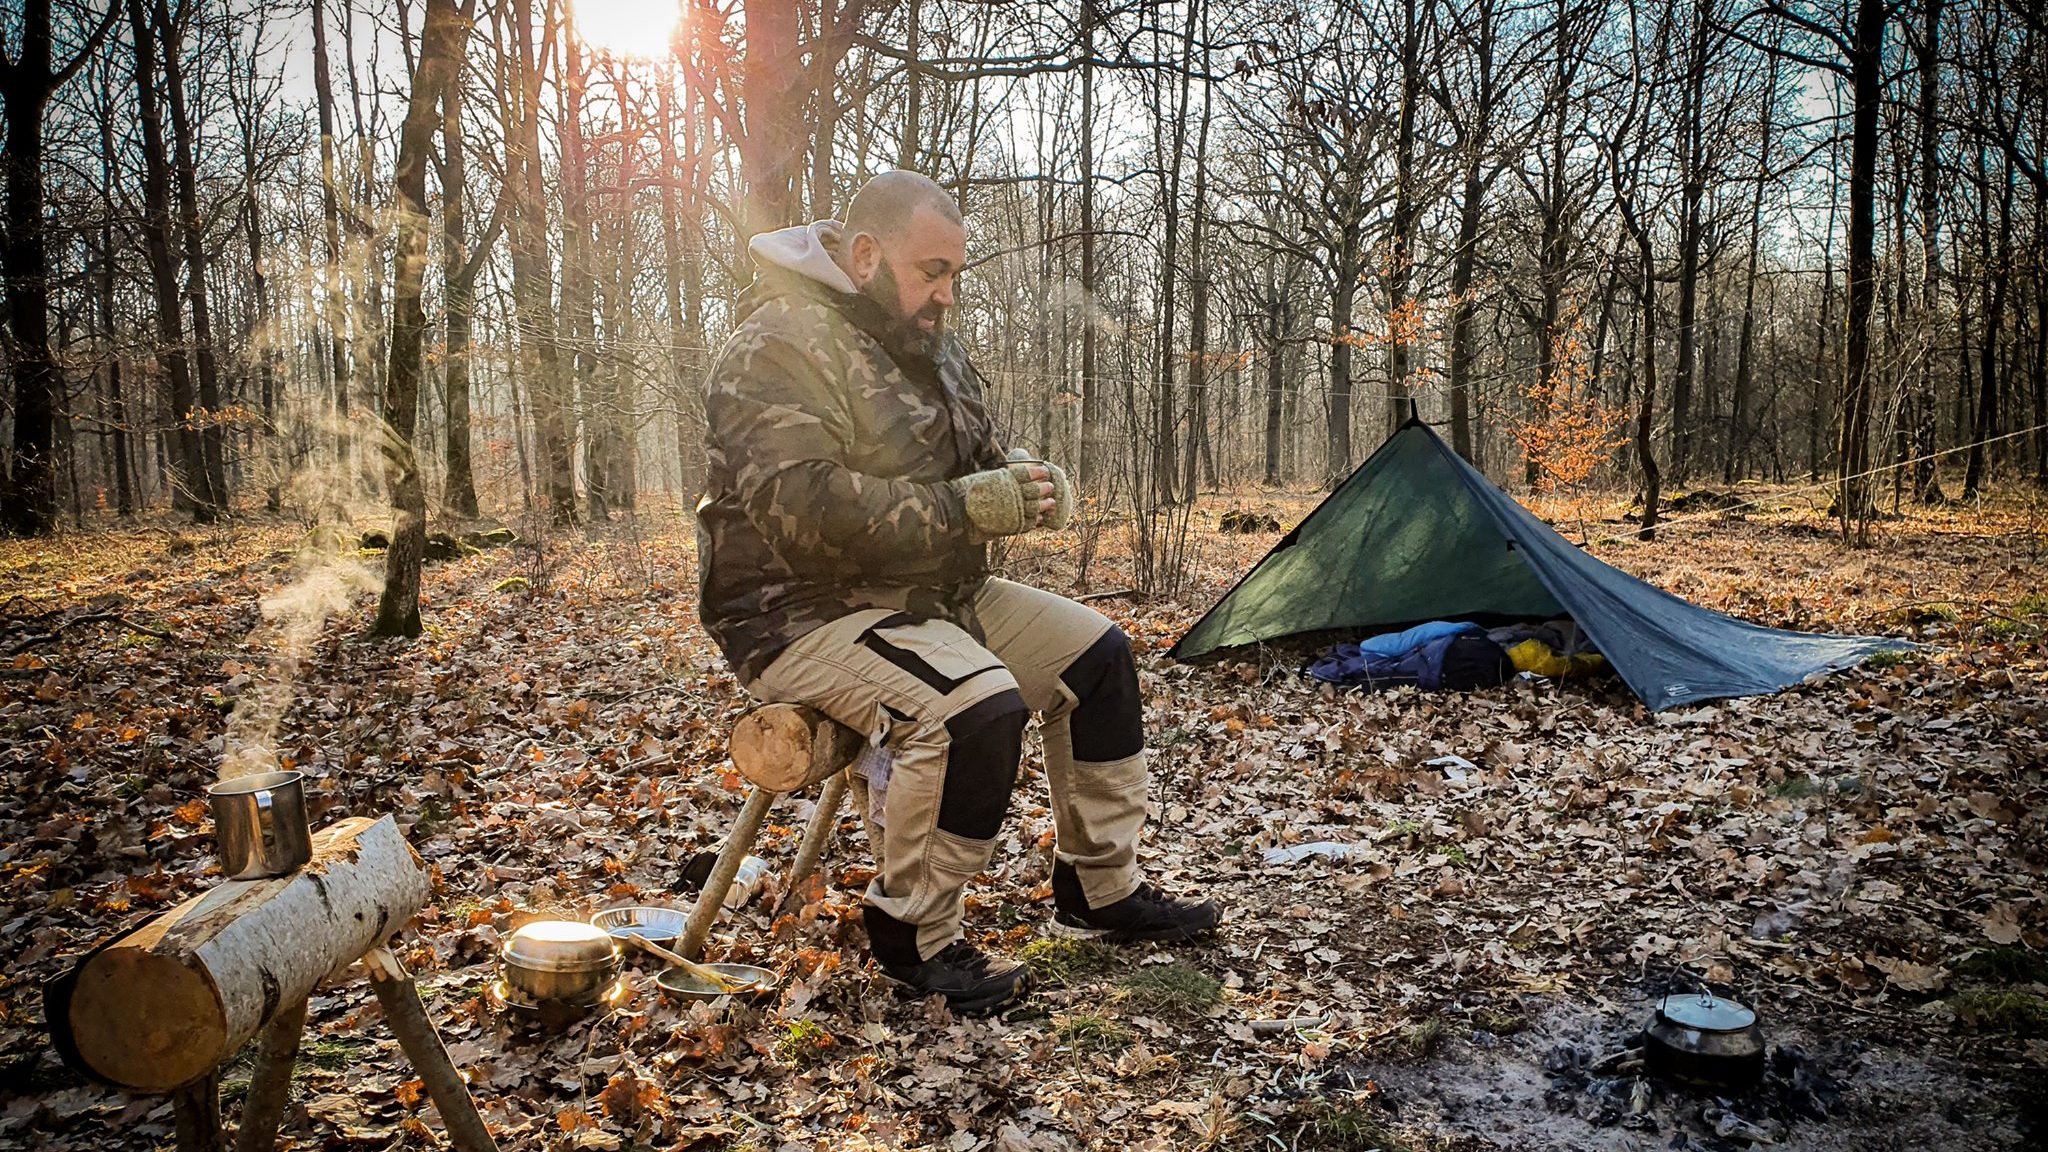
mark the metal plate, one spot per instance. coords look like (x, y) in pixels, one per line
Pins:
(1705, 1013)
(680, 984)
(661, 925)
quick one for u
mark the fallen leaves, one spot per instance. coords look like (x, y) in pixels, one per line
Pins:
(1857, 842)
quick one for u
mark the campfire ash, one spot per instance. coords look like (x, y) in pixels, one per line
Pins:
(1615, 1088)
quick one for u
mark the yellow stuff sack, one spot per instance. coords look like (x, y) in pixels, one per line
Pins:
(1536, 656)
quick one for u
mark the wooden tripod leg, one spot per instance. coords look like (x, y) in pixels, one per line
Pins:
(195, 1112)
(737, 842)
(270, 1084)
(817, 834)
(400, 998)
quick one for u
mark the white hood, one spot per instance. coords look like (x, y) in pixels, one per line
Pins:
(805, 249)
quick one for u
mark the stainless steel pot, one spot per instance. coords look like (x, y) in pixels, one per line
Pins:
(259, 825)
(558, 961)
(1700, 1039)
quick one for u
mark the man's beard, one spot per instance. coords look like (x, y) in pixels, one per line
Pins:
(883, 289)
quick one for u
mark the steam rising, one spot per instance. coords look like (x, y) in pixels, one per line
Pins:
(326, 581)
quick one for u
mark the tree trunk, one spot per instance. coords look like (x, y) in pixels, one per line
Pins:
(117, 404)
(1464, 341)
(1276, 376)
(1407, 208)
(913, 33)
(1646, 412)
(682, 333)
(445, 31)
(1170, 163)
(579, 290)
(2040, 365)
(1339, 460)
(28, 496)
(772, 150)
(1198, 316)
(185, 464)
(260, 335)
(1745, 352)
(533, 275)
(827, 117)
(1094, 406)
(1691, 236)
(1858, 505)
(1922, 410)
(336, 310)
(1997, 277)
(459, 295)
(184, 131)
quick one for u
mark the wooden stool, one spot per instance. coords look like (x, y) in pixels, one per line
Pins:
(778, 748)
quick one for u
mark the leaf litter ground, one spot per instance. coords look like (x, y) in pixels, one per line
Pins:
(1860, 859)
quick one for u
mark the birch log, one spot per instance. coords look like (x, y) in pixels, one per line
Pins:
(174, 999)
(787, 747)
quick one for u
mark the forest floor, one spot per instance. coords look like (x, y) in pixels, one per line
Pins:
(1859, 858)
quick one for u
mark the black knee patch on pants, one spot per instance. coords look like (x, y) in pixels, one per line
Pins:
(890, 940)
(1109, 724)
(981, 765)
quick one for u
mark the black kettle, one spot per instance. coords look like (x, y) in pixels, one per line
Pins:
(1699, 1039)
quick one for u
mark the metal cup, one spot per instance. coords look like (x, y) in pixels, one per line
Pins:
(259, 825)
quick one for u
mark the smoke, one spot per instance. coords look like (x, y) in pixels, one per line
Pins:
(327, 578)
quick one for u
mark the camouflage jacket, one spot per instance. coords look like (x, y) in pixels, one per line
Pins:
(828, 448)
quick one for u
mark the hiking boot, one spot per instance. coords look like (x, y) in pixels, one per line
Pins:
(972, 983)
(1147, 914)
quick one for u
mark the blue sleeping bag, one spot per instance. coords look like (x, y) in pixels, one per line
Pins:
(1432, 656)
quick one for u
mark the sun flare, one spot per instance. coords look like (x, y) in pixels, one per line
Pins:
(627, 27)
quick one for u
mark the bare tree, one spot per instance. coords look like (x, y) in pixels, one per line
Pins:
(29, 77)
(440, 63)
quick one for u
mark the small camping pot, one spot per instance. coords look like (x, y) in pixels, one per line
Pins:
(558, 961)
(1702, 1040)
(259, 825)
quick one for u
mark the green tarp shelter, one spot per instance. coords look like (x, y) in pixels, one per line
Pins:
(1417, 534)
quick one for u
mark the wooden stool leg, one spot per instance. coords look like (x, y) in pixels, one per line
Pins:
(737, 844)
(195, 1113)
(817, 834)
(415, 1031)
(270, 1084)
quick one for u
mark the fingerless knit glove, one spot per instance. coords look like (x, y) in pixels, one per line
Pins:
(995, 501)
(1063, 500)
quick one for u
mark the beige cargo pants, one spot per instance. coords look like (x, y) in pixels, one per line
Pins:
(951, 711)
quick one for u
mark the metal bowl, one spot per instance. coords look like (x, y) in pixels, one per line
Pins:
(559, 961)
(681, 985)
(661, 925)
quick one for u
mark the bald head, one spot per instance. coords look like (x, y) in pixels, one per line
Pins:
(887, 206)
(905, 243)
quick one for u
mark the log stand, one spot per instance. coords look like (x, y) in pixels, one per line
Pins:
(161, 1009)
(779, 748)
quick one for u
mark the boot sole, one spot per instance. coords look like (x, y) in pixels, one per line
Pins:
(976, 1007)
(1173, 935)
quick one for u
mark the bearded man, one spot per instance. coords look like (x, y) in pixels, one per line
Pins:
(854, 483)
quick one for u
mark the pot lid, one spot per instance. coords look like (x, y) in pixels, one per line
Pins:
(1705, 1012)
(560, 946)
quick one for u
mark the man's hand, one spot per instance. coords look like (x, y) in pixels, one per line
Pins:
(1005, 501)
(1037, 486)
